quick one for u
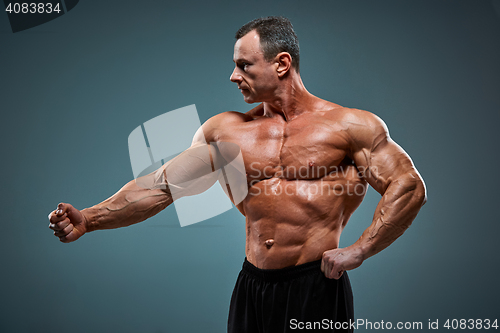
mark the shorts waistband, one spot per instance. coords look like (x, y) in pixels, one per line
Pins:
(281, 274)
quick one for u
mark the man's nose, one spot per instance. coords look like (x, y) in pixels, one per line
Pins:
(235, 77)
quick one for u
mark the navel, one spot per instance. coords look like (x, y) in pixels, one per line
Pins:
(269, 242)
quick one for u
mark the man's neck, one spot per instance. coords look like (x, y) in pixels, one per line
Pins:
(291, 99)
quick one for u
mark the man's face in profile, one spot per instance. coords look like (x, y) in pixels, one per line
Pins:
(256, 78)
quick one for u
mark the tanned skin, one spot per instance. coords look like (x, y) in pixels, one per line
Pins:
(308, 164)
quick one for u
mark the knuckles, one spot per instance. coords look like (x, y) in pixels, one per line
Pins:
(60, 223)
(330, 256)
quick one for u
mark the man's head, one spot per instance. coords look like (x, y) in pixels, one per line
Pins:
(276, 35)
(266, 50)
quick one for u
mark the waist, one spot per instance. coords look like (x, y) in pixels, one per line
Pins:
(282, 274)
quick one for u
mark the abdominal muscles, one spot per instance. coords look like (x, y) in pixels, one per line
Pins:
(291, 222)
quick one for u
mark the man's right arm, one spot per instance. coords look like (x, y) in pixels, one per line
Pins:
(190, 173)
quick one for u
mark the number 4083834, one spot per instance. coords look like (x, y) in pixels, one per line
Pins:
(32, 8)
(471, 324)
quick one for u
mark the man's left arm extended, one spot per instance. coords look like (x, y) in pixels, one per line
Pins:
(390, 171)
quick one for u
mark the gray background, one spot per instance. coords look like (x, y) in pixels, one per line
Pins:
(74, 88)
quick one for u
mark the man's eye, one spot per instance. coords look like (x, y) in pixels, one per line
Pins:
(243, 65)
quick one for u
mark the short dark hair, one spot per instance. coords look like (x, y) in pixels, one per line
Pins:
(276, 35)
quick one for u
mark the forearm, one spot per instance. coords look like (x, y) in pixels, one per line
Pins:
(131, 204)
(189, 173)
(395, 212)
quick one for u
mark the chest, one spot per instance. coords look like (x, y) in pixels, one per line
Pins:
(305, 149)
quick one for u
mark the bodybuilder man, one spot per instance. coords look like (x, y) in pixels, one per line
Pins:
(308, 163)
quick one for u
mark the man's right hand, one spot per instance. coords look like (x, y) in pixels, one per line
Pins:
(68, 223)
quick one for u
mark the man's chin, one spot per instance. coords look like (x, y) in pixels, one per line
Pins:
(249, 100)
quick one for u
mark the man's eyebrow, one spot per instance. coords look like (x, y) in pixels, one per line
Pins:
(241, 60)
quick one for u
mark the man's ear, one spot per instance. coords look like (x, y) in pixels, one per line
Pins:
(284, 63)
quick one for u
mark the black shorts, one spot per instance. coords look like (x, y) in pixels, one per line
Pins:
(298, 298)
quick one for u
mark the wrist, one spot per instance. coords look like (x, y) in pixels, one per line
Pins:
(89, 219)
(363, 251)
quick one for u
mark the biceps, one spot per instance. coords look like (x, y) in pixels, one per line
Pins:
(383, 164)
(199, 167)
(189, 173)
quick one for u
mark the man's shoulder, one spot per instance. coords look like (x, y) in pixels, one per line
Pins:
(359, 126)
(230, 116)
(214, 125)
(353, 117)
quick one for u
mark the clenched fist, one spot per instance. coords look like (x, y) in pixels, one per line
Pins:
(336, 261)
(68, 223)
